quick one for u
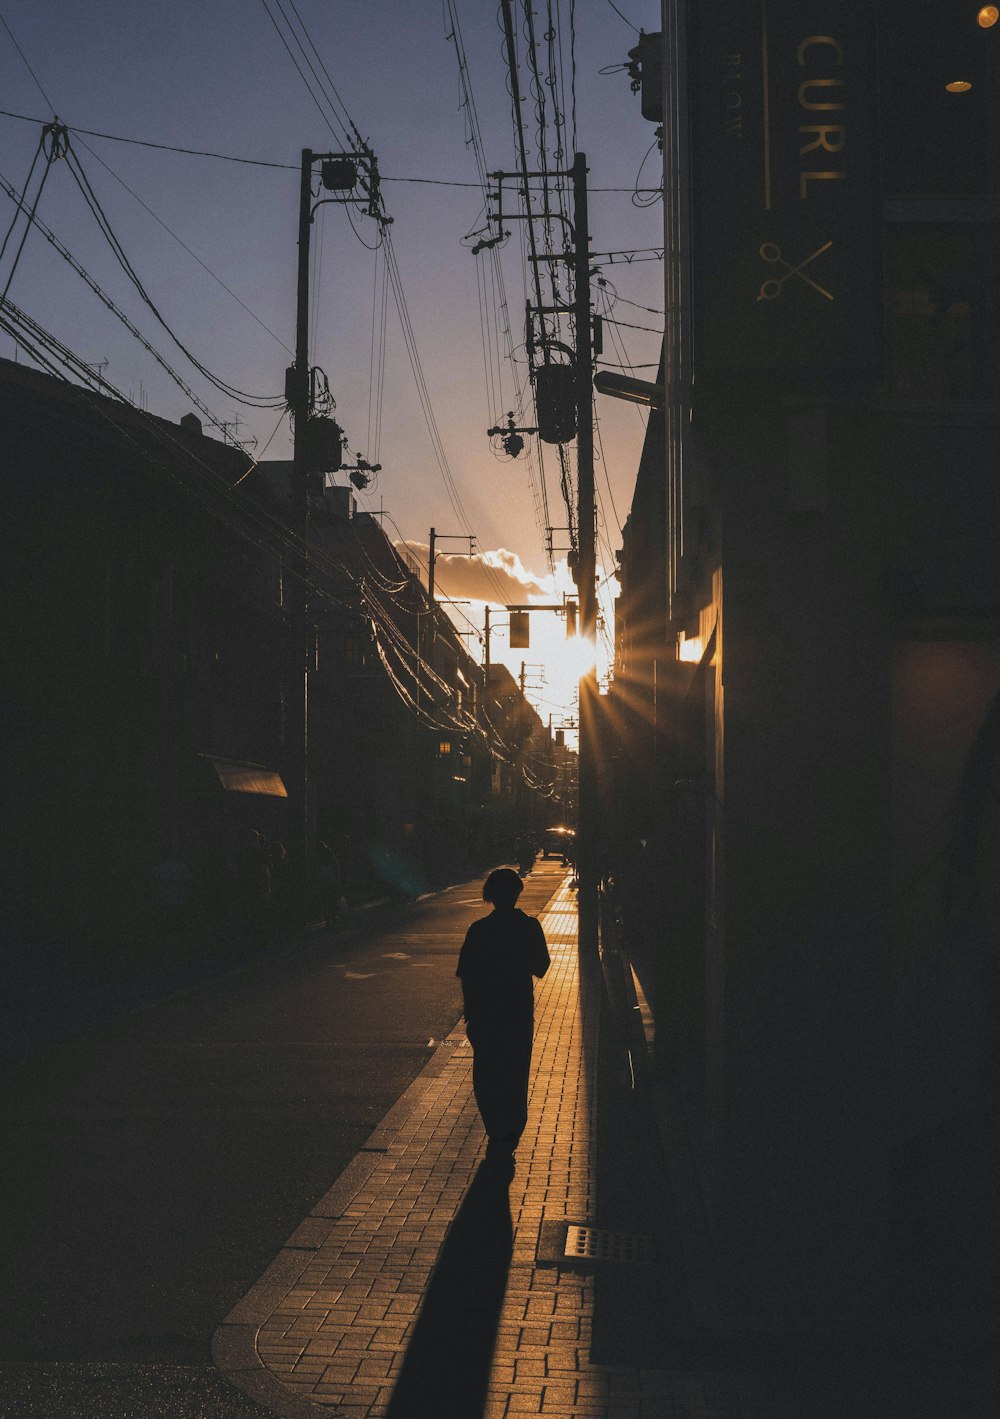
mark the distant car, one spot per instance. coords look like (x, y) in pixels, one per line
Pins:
(558, 842)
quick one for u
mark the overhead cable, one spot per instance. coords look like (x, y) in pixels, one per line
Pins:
(180, 241)
(259, 401)
(68, 256)
(51, 153)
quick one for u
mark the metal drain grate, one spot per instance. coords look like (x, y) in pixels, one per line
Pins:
(601, 1244)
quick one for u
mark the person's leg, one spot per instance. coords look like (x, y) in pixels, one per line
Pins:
(501, 1069)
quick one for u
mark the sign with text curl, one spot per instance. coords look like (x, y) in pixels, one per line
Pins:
(784, 191)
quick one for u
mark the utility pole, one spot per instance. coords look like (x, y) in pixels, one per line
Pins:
(486, 656)
(556, 431)
(435, 538)
(297, 391)
(316, 449)
(586, 569)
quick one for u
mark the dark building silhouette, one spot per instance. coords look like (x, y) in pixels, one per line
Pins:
(802, 722)
(154, 633)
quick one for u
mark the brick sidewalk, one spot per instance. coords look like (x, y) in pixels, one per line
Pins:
(327, 1329)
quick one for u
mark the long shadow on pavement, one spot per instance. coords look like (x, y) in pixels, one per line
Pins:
(447, 1366)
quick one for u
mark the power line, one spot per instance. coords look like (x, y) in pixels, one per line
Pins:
(68, 256)
(193, 254)
(260, 455)
(278, 533)
(607, 479)
(651, 330)
(54, 151)
(333, 89)
(90, 197)
(624, 17)
(515, 96)
(21, 200)
(38, 82)
(350, 127)
(147, 143)
(309, 88)
(617, 298)
(35, 339)
(264, 163)
(495, 319)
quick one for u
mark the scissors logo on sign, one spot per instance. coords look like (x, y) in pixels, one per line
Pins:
(772, 288)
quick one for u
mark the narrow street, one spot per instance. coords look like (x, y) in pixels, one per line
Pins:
(154, 1166)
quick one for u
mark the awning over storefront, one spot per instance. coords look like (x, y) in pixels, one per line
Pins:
(246, 778)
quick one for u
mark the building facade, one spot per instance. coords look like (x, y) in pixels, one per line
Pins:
(163, 614)
(809, 650)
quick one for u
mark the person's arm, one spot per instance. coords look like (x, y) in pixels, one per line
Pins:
(463, 956)
(540, 960)
(465, 971)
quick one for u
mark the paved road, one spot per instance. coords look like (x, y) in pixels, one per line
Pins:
(155, 1166)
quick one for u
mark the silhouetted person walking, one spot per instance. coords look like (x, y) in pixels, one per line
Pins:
(500, 955)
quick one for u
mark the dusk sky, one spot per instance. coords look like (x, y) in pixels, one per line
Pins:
(217, 78)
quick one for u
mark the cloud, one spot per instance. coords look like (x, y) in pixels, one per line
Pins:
(497, 576)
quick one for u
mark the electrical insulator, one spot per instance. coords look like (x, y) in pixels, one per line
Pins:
(555, 401)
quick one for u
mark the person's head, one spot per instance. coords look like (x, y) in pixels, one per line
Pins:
(502, 887)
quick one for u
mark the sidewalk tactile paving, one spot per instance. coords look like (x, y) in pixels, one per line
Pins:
(338, 1337)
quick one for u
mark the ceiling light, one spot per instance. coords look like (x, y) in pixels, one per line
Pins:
(958, 86)
(988, 16)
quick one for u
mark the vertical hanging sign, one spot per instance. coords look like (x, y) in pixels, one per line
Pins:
(785, 185)
(520, 636)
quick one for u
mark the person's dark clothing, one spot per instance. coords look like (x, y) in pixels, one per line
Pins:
(501, 954)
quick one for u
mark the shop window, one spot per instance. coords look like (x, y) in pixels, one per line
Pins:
(942, 307)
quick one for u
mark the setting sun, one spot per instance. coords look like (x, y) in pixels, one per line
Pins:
(576, 658)
(553, 666)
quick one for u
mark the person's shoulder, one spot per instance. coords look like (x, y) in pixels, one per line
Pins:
(472, 946)
(477, 930)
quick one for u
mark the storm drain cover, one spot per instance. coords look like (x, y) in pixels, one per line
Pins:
(602, 1244)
